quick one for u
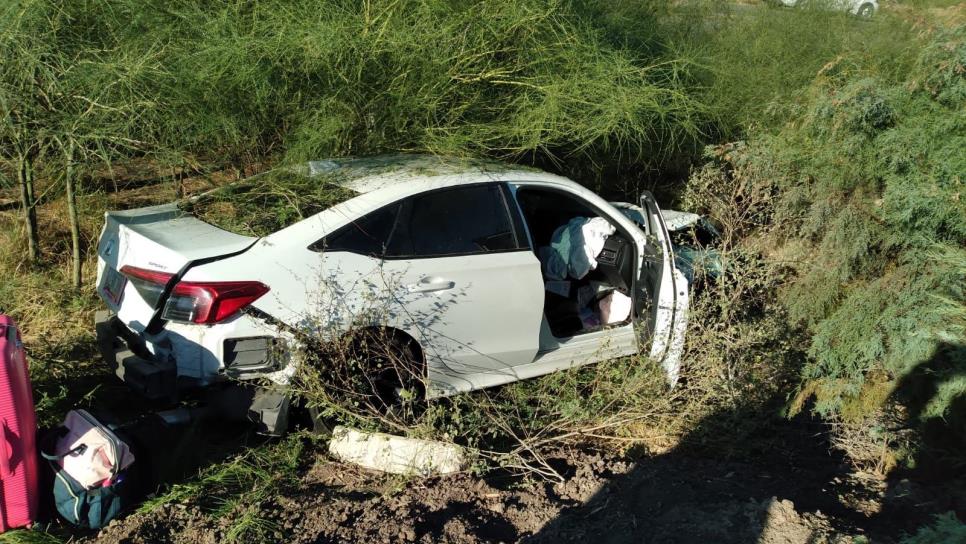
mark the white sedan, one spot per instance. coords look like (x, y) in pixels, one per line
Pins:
(862, 8)
(454, 259)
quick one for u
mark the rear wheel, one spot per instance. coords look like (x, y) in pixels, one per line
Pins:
(866, 10)
(388, 378)
(370, 375)
(319, 424)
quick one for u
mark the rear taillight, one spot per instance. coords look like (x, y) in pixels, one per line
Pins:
(191, 301)
(210, 302)
(149, 284)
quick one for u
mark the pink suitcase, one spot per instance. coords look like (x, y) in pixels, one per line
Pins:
(18, 423)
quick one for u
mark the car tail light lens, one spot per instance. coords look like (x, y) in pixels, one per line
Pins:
(210, 302)
(204, 302)
(149, 284)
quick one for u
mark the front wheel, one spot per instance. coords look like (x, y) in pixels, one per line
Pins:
(866, 11)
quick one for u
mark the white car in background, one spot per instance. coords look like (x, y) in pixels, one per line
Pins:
(862, 8)
(446, 252)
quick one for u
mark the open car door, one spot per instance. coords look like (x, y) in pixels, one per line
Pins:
(666, 319)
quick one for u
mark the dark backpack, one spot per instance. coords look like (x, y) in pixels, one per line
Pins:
(90, 508)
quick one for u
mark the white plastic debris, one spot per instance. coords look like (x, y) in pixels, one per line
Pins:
(396, 454)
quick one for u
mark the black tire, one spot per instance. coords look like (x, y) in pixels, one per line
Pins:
(370, 374)
(319, 425)
(393, 381)
(866, 11)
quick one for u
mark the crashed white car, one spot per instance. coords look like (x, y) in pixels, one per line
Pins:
(862, 8)
(443, 253)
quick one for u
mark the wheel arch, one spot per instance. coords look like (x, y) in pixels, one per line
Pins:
(394, 333)
(866, 9)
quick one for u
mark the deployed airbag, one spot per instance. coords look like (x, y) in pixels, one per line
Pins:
(574, 248)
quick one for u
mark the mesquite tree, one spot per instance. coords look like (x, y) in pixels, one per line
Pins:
(99, 112)
(68, 105)
(26, 86)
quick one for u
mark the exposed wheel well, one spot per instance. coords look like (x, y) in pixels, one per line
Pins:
(374, 399)
(398, 335)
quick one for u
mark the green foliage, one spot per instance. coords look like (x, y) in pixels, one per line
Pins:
(241, 79)
(25, 536)
(946, 529)
(893, 238)
(262, 205)
(869, 211)
(759, 60)
(236, 490)
(602, 399)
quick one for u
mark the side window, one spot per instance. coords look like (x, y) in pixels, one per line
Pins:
(368, 235)
(458, 221)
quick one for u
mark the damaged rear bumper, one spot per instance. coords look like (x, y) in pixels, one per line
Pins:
(130, 360)
(156, 378)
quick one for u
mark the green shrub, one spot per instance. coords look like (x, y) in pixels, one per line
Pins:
(867, 210)
(946, 529)
(237, 79)
(759, 60)
(888, 160)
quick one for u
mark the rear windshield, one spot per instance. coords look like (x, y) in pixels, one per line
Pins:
(263, 204)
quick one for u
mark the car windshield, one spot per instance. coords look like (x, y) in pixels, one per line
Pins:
(701, 234)
(266, 203)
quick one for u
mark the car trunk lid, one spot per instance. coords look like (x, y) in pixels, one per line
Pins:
(158, 239)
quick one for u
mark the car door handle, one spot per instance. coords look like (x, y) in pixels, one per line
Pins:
(430, 284)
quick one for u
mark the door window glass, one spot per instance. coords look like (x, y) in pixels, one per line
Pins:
(366, 236)
(459, 221)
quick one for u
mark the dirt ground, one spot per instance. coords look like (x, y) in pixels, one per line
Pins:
(778, 497)
(783, 484)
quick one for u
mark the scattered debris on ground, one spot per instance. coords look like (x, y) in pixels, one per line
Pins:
(396, 454)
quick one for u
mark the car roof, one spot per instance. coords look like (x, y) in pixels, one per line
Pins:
(410, 173)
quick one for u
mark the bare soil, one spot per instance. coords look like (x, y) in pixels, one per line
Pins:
(781, 497)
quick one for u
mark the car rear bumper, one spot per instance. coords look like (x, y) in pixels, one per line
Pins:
(184, 357)
(127, 355)
(157, 378)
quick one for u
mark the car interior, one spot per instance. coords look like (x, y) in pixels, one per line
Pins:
(568, 303)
